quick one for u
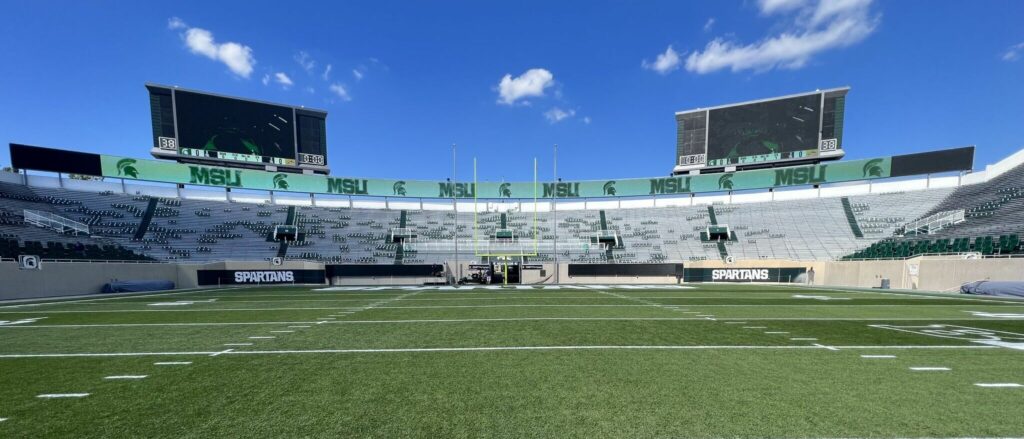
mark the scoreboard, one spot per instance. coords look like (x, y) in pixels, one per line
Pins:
(797, 128)
(192, 126)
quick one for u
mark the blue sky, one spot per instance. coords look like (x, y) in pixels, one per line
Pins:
(602, 79)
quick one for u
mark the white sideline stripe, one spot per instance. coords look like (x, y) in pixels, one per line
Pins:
(125, 377)
(852, 319)
(283, 332)
(776, 332)
(878, 356)
(507, 348)
(261, 337)
(928, 368)
(998, 385)
(192, 310)
(172, 363)
(804, 339)
(237, 344)
(831, 348)
(735, 323)
(62, 395)
(58, 301)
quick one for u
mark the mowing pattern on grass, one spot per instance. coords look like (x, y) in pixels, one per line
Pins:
(588, 361)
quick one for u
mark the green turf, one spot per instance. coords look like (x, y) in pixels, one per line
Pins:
(708, 361)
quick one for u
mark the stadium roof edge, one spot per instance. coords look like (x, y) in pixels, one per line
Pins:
(843, 89)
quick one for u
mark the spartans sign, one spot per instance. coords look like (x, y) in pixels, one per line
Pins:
(170, 172)
(743, 274)
(260, 277)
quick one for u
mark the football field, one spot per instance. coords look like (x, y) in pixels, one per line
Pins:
(558, 362)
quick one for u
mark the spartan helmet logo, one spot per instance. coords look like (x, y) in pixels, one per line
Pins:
(505, 190)
(399, 188)
(873, 168)
(725, 182)
(609, 188)
(281, 181)
(126, 167)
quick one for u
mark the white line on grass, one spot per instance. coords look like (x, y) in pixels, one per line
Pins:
(878, 356)
(998, 385)
(283, 332)
(776, 332)
(261, 337)
(831, 348)
(804, 339)
(929, 369)
(3, 419)
(125, 377)
(62, 395)
(299, 326)
(186, 310)
(497, 348)
(237, 344)
(755, 327)
(172, 363)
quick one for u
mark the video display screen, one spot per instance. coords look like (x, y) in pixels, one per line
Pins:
(764, 131)
(217, 127)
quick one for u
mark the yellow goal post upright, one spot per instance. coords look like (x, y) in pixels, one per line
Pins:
(515, 250)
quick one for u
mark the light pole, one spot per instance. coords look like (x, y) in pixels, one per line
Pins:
(554, 208)
(455, 207)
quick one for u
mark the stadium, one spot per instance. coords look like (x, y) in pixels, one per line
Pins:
(224, 282)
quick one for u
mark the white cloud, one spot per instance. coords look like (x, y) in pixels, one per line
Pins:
(817, 27)
(555, 114)
(175, 23)
(283, 79)
(586, 120)
(339, 89)
(327, 72)
(531, 83)
(709, 24)
(773, 6)
(238, 57)
(357, 74)
(310, 90)
(305, 60)
(1013, 53)
(266, 79)
(664, 63)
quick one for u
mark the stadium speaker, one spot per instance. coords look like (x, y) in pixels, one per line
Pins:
(277, 261)
(29, 262)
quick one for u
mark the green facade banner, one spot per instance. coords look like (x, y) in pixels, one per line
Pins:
(170, 172)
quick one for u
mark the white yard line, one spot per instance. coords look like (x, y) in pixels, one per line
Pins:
(172, 363)
(929, 369)
(495, 348)
(831, 348)
(62, 395)
(878, 356)
(125, 377)
(851, 319)
(176, 310)
(261, 337)
(237, 344)
(998, 385)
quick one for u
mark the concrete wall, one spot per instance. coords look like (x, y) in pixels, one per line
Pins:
(74, 278)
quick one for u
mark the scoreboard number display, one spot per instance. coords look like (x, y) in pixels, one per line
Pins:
(168, 143)
(311, 159)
